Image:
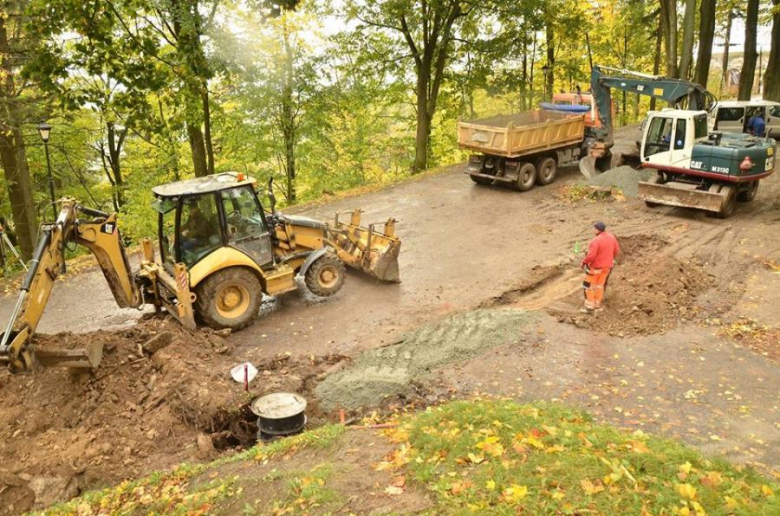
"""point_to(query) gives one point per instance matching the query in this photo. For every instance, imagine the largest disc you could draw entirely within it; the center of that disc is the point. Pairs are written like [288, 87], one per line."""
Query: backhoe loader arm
[99, 235]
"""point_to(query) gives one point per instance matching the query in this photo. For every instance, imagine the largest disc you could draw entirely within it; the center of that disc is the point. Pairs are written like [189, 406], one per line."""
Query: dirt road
[668, 356]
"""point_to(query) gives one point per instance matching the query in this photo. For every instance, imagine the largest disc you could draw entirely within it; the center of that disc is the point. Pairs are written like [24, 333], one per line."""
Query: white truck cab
[732, 116]
[669, 136]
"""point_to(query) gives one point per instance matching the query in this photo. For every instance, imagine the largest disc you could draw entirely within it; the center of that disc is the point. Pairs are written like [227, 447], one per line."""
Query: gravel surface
[624, 178]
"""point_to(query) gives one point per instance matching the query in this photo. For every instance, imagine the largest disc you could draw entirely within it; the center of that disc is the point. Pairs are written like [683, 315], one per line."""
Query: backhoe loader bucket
[88, 357]
[367, 249]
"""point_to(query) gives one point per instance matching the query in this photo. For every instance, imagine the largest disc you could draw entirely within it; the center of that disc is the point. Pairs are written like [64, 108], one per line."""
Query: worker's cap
[600, 226]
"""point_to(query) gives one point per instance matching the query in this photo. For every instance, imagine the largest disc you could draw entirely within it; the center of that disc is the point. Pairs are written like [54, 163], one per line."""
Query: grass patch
[159, 493]
[500, 457]
[174, 492]
[305, 493]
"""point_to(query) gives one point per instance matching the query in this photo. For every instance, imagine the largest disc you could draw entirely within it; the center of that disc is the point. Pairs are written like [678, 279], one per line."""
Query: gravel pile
[624, 178]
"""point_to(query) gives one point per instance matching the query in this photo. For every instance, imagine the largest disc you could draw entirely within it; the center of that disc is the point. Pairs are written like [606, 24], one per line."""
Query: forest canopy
[323, 96]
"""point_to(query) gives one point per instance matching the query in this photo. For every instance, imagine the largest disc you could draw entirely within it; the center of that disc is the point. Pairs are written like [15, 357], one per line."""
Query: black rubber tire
[481, 180]
[748, 194]
[546, 170]
[320, 286]
[728, 207]
[211, 289]
[526, 177]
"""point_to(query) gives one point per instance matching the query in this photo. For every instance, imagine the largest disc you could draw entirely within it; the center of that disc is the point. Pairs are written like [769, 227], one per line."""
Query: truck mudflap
[685, 195]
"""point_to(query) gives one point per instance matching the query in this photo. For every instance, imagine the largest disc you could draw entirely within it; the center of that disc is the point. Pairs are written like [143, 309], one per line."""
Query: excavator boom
[98, 233]
[603, 80]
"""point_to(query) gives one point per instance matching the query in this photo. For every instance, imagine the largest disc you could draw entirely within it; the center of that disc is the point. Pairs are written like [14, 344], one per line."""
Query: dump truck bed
[520, 134]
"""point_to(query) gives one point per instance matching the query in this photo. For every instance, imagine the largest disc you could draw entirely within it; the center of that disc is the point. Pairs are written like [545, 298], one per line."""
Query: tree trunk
[748, 73]
[12, 151]
[288, 118]
[207, 127]
[657, 57]
[772, 77]
[706, 36]
[550, 74]
[689, 24]
[198, 149]
[726, 46]
[423, 132]
[669, 14]
[114, 160]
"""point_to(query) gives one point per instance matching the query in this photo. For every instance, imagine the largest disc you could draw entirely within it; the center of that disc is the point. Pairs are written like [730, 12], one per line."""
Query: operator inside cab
[198, 231]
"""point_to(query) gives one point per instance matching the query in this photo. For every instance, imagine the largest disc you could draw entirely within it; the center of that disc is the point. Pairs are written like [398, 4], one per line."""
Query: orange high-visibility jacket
[602, 251]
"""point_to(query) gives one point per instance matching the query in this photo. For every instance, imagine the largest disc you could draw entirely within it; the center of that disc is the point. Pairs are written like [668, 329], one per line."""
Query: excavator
[220, 252]
[694, 168]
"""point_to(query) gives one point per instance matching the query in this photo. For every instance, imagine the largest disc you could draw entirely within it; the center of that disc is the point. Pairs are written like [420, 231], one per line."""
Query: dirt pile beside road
[648, 292]
[390, 370]
[62, 432]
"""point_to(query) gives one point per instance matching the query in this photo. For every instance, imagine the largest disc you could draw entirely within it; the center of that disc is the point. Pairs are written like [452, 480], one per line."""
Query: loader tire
[229, 298]
[546, 169]
[526, 177]
[325, 276]
[749, 193]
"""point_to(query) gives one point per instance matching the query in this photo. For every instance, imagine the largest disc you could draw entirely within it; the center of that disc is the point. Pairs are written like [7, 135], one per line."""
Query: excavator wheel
[749, 193]
[229, 298]
[526, 177]
[546, 169]
[325, 276]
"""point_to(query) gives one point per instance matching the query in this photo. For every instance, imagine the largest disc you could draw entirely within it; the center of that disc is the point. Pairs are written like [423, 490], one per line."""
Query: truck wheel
[526, 177]
[727, 208]
[546, 168]
[481, 180]
[749, 193]
[325, 276]
[229, 298]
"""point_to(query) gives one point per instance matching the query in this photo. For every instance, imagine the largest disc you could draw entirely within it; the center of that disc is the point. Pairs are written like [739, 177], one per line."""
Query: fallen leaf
[687, 491]
[490, 485]
[394, 490]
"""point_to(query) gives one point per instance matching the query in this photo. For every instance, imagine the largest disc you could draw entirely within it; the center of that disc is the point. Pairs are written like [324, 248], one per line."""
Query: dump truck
[523, 149]
[220, 251]
[694, 168]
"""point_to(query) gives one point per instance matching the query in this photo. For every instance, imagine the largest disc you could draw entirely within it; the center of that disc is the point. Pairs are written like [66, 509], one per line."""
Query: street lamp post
[44, 130]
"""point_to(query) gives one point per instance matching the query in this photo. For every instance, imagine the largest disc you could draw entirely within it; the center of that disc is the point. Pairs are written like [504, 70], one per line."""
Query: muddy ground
[488, 303]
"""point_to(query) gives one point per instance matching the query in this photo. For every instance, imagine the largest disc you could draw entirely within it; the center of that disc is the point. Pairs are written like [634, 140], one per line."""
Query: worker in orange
[598, 264]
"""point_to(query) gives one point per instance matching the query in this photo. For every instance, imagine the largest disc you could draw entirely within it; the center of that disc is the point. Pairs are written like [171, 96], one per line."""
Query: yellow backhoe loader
[219, 253]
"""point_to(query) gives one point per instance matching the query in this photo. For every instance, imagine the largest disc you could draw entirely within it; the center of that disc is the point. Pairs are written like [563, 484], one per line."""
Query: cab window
[659, 136]
[167, 221]
[700, 126]
[679, 134]
[730, 114]
[774, 111]
[199, 228]
[246, 227]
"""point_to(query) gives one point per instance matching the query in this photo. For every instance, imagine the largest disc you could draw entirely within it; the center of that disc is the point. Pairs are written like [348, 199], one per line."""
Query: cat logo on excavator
[220, 252]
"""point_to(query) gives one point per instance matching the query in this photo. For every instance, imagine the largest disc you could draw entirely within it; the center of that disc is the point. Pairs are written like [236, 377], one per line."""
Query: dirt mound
[62, 432]
[382, 372]
[648, 292]
[624, 178]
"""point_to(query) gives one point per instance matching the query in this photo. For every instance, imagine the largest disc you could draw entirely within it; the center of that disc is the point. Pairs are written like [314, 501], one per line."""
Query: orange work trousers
[594, 285]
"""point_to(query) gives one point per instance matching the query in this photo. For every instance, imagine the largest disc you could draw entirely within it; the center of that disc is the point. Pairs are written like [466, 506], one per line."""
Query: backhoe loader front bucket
[367, 249]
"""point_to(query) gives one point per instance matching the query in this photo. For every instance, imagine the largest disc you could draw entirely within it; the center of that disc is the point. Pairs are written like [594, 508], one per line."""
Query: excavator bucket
[595, 163]
[368, 249]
